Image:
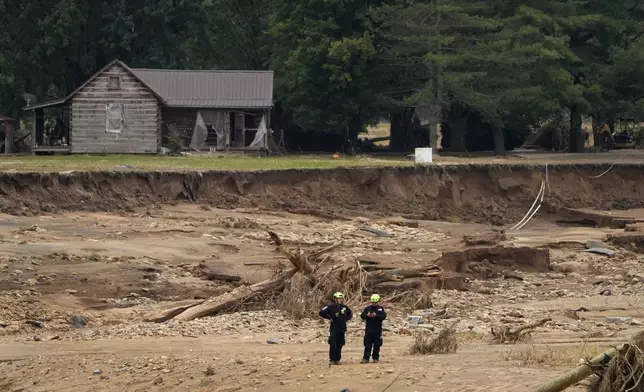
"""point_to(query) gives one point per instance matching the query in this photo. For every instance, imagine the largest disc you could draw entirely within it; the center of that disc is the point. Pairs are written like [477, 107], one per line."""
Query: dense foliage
[342, 64]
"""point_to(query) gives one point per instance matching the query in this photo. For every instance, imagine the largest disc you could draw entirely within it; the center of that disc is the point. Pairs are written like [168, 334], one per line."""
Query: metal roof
[195, 89]
[210, 89]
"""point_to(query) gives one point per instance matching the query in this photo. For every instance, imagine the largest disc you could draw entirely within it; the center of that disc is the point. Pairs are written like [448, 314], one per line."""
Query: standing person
[374, 315]
[339, 314]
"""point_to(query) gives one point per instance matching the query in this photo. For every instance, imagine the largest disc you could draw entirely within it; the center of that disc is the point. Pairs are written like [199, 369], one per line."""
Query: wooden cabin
[136, 111]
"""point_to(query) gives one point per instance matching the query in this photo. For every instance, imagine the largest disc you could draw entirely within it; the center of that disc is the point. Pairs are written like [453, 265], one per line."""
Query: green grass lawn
[62, 163]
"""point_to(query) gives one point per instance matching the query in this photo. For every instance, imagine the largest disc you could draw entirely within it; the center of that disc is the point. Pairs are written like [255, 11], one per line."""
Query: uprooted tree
[352, 279]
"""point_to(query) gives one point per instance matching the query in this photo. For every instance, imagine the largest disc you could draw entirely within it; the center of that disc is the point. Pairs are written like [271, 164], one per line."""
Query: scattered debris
[600, 251]
[36, 323]
[505, 335]
[618, 320]
[379, 233]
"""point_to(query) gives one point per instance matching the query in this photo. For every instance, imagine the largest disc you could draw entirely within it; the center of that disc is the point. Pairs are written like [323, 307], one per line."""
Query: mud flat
[85, 258]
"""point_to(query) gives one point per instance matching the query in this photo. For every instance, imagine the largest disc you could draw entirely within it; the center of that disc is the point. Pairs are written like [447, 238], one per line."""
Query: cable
[526, 222]
[607, 170]
[542, 188]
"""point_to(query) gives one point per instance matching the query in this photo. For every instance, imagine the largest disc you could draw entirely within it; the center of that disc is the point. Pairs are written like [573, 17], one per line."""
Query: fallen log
[581, 371]
[244, 293]
[173, 312]
[235, 297]
[400, 274]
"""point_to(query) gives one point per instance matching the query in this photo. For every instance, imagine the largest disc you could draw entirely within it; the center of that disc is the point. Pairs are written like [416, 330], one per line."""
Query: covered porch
[50, 127]
[221, 130]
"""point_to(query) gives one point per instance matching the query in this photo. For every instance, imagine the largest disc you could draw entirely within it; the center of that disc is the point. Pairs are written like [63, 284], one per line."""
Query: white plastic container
[423, 156]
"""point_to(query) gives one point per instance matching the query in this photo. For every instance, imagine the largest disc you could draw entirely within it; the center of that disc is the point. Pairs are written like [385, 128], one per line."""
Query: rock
[273, 341]
[97, 372]
[429, 327]
[574, 275]
[206, 382]
[415, 320]
[595, 244]
[606, 293]
[390, 370]
[618, 320]
[36, 323]
[70, 291]
[16, 273]
[158, 380]
[78, 321]
[31, 282]
[386, 326]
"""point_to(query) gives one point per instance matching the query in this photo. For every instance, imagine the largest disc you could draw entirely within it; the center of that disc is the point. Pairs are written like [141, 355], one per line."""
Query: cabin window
[114, 83]
[114, 118]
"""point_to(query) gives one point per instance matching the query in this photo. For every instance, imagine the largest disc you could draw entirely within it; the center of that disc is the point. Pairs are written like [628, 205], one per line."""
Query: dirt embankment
[483, 193]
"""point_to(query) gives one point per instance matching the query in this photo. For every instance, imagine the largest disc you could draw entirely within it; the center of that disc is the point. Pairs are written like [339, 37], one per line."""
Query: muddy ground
[85, 258]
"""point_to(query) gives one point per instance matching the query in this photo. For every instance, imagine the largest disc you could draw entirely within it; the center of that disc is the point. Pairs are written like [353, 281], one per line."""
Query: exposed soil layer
[632, 241]
[481, 193]
[575, 217]
[520, 258]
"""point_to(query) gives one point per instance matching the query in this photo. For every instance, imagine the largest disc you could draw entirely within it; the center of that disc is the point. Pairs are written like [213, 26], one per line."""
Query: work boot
[336, 362]
[364, 361]
[375, 361]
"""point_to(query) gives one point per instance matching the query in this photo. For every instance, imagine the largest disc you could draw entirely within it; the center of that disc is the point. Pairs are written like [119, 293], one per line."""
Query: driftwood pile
[353, 280]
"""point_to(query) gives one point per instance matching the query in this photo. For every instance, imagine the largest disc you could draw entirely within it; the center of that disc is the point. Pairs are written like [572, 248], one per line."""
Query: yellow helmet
[375, 298]
[338, 295]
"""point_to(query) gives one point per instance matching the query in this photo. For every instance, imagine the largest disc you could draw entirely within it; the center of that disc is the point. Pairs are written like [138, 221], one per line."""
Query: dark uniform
[339, 314]
[373, 331]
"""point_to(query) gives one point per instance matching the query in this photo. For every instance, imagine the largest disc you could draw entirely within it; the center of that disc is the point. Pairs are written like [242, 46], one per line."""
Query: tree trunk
[401, 122]
[235, 297]
[434, 122]
[576, 134]
[458, 126]
[499, 141]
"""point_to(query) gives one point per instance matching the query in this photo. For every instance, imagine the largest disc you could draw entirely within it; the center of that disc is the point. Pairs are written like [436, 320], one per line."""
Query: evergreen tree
[323, 61]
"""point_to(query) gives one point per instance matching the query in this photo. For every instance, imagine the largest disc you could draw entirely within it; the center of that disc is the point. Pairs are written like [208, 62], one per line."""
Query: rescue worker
[374, 315]
[339, 314]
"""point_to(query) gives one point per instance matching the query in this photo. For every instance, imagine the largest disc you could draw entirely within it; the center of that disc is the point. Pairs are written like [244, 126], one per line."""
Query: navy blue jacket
[338, 314]
[374, 324]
